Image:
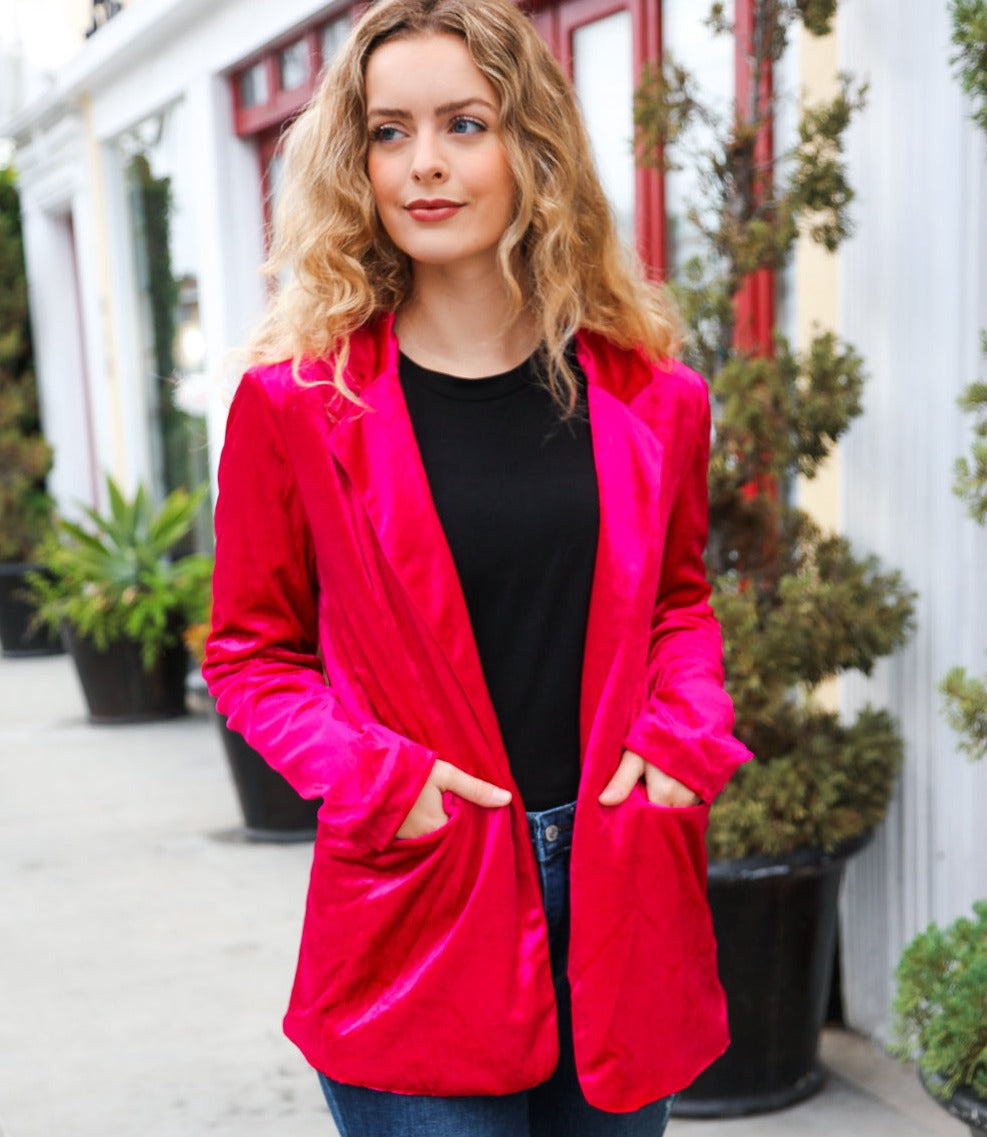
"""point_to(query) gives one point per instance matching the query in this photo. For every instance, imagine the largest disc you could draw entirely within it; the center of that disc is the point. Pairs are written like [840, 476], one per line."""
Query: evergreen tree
[25, 457]
[797, 605]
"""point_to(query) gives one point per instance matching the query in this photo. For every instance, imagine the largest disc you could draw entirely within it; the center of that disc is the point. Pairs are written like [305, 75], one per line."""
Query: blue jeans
[555, 1108]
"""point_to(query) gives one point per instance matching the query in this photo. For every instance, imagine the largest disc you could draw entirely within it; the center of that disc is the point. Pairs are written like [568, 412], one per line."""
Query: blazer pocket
[643, 917]
[670, 861]
[400, 852]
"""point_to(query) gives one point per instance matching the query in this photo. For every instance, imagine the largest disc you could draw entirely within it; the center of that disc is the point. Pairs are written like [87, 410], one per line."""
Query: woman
[459, 595]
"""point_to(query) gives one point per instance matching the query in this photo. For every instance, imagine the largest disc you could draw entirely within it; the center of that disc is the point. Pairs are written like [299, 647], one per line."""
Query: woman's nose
[429, 164]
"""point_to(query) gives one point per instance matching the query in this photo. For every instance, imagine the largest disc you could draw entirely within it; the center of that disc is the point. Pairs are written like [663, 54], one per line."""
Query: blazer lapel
[379, 453]
[628, 460]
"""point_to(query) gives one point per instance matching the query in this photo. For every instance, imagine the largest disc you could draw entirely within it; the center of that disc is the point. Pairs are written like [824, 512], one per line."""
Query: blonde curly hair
[560, 256]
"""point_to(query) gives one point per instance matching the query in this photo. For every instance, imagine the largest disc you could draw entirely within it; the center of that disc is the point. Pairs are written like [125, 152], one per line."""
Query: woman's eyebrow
[388, 112]
[462, 104]
[444, 109]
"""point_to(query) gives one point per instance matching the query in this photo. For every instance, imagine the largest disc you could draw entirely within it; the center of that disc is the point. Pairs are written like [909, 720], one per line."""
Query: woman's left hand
[662, 788]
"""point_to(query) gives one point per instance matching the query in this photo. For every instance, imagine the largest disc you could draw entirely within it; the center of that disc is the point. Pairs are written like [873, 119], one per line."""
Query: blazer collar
[376, 447]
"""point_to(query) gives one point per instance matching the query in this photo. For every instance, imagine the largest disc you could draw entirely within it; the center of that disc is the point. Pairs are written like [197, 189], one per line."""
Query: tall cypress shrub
[798, 605]
[25, 457]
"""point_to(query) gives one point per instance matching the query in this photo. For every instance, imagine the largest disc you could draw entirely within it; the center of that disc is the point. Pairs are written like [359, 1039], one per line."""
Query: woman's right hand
[427, 814]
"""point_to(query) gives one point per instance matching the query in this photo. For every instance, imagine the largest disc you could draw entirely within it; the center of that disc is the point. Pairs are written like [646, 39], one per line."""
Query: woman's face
[436, 160]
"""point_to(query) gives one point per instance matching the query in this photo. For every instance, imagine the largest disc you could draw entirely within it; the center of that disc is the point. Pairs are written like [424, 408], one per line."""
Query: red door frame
[268, 142]
[754, 308]
[556, 22]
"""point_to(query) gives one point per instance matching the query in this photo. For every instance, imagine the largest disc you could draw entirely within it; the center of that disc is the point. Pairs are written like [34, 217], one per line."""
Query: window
[268, 92]
[581, 34]
[604, 45]
[603, 75]
[332, 37]
[711, 59]
[252, 86]
[293, 66]
[169, 350]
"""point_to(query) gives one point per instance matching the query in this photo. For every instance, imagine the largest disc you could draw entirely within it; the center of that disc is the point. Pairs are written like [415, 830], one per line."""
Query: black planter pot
[272, 810]
[116, 686]
[775, 920]
[964, 1105]
[17, 638]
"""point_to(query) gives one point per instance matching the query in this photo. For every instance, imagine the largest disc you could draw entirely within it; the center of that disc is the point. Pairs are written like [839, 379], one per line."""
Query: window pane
[274, 180]
[603, 73]
[293, 65]
[332, 38]
[709, 59]
[253, 86]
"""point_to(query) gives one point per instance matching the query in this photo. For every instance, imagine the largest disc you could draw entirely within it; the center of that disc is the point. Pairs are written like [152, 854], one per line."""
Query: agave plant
[116, 578]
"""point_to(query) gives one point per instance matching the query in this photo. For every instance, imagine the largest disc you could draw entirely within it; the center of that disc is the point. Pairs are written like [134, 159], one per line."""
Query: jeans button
[551, 833]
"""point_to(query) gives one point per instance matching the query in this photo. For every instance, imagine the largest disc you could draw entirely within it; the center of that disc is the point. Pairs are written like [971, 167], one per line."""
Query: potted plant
[940, 1014]
[798, 606]
[25, 457]
[272, 809]
[121, 603]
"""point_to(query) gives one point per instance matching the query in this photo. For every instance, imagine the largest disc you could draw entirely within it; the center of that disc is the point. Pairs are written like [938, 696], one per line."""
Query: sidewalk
[146, 951]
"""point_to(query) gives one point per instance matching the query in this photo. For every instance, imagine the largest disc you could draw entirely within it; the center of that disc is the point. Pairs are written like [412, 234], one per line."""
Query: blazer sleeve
[685, 726]
[262, 656]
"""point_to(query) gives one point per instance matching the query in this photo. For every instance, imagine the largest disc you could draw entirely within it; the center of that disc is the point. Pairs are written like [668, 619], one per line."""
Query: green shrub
[940, 1006]
[115, 580]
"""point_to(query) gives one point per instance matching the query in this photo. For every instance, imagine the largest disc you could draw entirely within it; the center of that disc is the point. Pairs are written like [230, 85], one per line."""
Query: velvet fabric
[341, 648]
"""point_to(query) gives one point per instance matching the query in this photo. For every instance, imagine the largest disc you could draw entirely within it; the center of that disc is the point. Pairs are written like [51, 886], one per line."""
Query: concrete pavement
[146, 950]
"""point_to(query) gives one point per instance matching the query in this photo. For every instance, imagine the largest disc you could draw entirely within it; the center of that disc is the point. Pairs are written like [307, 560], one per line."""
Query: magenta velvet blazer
[341, 648]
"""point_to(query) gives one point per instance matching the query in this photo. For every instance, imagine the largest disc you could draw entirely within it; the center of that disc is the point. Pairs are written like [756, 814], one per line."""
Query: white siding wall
[913, 295]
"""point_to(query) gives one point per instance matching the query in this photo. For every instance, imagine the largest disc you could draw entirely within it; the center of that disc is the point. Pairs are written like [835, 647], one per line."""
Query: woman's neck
[464, 328]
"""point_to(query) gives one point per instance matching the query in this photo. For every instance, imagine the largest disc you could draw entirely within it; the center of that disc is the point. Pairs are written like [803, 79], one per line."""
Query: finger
[419, 824]
[469, 788]
[627, 776]
[663, 789]
[427, 814]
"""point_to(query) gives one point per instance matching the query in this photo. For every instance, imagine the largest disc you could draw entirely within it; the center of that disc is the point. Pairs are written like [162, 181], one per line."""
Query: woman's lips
[437, 209]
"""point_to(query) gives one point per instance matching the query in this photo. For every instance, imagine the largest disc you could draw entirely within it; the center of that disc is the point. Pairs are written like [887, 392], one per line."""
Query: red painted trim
[649, 211]
[282, 105]
[546, 22]
[575, 14]
[754, 307]
[557, 24]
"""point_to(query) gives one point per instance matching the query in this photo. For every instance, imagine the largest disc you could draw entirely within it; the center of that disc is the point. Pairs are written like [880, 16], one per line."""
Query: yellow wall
[816, 295]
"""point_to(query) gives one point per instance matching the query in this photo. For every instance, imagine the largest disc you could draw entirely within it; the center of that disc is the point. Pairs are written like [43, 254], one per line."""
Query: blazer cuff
[700, 758]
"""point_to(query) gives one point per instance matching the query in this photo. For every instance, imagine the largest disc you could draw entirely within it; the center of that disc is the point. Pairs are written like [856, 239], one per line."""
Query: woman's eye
[462, 125]
[384, 133]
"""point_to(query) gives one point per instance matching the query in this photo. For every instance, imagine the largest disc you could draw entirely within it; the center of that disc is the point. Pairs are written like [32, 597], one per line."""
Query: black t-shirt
[514, 486]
